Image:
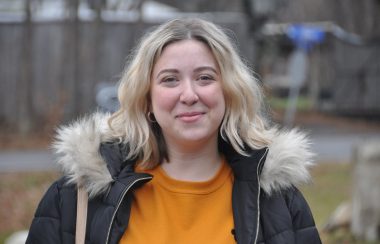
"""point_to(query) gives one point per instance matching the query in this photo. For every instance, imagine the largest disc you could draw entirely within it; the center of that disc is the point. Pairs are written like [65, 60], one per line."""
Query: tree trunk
[25, 101]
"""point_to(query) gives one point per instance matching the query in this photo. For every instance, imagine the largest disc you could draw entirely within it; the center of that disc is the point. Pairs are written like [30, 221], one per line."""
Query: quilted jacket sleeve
[303, 222]
[46, 225]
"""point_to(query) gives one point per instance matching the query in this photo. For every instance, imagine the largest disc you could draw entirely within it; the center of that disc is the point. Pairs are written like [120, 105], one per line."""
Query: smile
[190, 117]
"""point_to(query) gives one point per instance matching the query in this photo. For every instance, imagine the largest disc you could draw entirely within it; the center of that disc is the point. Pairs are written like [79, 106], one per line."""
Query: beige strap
[80, 234]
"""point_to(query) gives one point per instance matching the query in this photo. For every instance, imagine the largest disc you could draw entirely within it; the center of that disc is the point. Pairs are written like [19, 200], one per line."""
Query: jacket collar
[246, 191]
[77, 149]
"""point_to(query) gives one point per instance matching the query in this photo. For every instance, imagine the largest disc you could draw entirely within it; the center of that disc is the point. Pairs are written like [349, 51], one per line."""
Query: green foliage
[278, 103]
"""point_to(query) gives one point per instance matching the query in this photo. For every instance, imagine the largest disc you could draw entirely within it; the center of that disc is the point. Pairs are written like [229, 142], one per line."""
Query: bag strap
[80, 233]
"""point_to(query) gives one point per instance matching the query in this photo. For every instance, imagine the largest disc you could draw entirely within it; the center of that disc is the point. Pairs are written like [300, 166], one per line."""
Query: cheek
[162, 100]
[214, 98]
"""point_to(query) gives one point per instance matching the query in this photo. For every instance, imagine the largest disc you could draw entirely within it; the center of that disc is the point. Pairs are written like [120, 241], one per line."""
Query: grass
[278, 103]
[19, 196]
[21, 192]
[332, 185]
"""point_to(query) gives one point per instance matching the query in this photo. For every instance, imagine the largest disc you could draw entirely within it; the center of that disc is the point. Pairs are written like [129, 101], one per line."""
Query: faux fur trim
[288, 161]
[77, 147]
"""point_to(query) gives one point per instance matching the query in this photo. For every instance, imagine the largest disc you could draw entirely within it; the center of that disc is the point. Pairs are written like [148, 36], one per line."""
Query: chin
[195, 137]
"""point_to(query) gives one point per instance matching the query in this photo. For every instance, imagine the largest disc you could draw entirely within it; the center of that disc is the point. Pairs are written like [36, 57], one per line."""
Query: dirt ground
[9, 141]
[342, 123]
[19, 195]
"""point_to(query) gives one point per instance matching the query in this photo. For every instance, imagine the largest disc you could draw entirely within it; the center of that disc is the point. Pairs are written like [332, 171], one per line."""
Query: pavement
[339, 148]
[331, 144]
[27, 160]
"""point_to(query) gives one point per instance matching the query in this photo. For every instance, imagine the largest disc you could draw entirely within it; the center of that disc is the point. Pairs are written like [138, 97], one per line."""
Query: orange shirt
[166, 210]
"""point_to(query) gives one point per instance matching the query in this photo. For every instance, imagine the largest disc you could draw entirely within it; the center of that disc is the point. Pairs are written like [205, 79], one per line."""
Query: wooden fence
[49, 70]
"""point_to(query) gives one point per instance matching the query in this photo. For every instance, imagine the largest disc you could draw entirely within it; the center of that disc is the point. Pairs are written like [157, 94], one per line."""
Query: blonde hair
[243, 123]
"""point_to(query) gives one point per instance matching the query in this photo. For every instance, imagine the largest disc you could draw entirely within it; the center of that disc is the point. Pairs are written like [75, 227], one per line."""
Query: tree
[24, 96]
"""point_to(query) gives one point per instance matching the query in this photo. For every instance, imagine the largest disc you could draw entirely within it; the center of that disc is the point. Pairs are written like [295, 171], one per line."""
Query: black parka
[265, 210]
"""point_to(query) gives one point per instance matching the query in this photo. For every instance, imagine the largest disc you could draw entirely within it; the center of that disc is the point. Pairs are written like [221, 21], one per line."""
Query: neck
[195, 162]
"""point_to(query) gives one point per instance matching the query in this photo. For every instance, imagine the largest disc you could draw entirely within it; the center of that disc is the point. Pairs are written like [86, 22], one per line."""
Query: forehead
[185, 53]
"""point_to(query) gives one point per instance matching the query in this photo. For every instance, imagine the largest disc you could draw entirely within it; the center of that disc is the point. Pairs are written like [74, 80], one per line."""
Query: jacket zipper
[121, 199]
[258, 195]
[149, 178]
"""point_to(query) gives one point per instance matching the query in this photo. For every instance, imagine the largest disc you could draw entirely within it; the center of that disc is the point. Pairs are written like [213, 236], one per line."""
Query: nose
[189, 95]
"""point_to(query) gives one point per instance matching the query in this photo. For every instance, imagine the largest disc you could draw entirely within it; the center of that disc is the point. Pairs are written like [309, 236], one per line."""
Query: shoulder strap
[80, 234]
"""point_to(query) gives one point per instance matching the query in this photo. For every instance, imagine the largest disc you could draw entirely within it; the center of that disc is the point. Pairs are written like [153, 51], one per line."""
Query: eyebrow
[202, 68]
[199, 69]
[167, 71]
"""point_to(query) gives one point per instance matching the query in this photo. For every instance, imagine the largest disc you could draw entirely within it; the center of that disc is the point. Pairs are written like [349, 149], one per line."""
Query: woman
[188, 158]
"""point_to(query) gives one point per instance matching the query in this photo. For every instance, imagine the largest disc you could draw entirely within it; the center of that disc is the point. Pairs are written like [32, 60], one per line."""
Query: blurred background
[318, 61]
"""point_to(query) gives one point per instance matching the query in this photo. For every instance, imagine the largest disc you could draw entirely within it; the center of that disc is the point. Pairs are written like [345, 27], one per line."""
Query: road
[27, 160]
[339, 148]
[329, 146]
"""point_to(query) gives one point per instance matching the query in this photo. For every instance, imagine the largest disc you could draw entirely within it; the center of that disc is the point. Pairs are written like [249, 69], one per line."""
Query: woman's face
[186, 93]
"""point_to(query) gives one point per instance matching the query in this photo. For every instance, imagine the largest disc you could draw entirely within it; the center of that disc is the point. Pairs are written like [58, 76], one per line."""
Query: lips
[190, 116]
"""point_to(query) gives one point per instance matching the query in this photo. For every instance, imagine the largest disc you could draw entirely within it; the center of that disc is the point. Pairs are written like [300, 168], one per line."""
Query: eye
[205, 79]
[169, 81]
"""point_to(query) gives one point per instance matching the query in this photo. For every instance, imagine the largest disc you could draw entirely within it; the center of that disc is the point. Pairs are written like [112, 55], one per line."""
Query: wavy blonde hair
[243, 123]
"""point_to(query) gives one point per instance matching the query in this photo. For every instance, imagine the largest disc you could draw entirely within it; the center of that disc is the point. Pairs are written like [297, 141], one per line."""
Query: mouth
[190, 116]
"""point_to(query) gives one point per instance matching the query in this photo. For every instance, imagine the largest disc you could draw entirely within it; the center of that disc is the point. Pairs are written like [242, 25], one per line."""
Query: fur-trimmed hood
[77, 148]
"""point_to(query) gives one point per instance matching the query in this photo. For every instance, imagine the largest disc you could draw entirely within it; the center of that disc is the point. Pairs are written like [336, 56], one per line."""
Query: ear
[149, 103]
[150, 108]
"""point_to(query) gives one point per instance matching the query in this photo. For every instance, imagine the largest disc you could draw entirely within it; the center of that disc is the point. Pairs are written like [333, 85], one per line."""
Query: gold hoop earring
[151, 117]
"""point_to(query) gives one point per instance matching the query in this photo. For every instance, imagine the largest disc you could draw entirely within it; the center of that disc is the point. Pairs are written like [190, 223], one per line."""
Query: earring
[151, 117]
